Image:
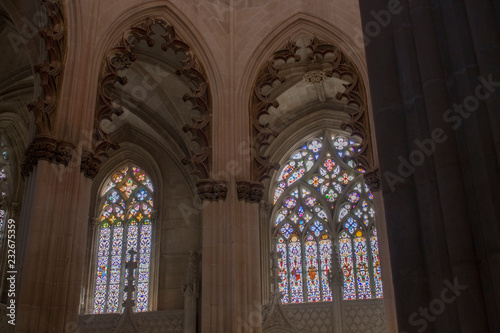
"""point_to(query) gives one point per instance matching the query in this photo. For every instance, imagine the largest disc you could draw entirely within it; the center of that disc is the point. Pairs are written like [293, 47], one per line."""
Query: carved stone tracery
[190, 286]
[319, 60]
[89, 164]
[44, 108]
[50, 71]
[372, 180]
[122, 56]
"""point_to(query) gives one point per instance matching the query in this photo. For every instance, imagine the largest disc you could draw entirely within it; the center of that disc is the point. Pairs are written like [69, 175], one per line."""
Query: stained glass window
[124, 224]
[321, 203]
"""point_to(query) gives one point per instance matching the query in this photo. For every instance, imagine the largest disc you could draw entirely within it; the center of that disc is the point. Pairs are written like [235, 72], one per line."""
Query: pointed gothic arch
[165, 58]
[310, 89]
[322, 206]
[124, 223]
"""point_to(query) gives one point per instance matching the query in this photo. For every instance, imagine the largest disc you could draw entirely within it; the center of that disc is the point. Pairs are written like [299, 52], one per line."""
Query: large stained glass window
[322, 204]
[124, 224]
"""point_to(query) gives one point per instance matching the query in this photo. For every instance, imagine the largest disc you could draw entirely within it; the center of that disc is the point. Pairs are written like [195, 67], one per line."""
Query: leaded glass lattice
[320, 203]
[124, 224]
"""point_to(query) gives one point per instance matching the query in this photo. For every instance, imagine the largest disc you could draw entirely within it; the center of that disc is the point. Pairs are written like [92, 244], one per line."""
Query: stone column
[53, 238]
[373, 181]
[191, 293]
[231, 285]
[428, 172]
[265, 209]
[336, 280]
[56, 196]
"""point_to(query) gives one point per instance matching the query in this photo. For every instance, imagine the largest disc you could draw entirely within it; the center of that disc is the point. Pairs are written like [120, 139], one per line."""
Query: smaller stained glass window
[125, 224]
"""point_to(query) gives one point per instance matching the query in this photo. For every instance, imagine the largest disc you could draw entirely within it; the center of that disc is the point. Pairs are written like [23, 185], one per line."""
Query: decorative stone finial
[372, 180]
[315, 76]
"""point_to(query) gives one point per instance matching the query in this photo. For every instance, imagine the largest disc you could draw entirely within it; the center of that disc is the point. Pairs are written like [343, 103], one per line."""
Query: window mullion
[320, 270]
[370, 266]
[288, 272]
[354, 268]
[305, 291]
[108, 269]
[122, 267]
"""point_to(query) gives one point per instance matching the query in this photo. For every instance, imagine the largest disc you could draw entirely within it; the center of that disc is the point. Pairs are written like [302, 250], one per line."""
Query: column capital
[265, 207]
[372, 180]
[89, 164]
[14, 209]
[49, 149]
[250, 191]
[212, 190]
[93, 222]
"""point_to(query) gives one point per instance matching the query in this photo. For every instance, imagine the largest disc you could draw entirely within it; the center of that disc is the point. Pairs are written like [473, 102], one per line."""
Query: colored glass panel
[362, 270]
[290, 202]
[325, 253]
[295, 263]
[377, 275]
[117, 235]
[144, 264]
[315, 145]
[353, 197]
[351, 225]
[287, 230]
[312, 271]
[340, 142]
[306, 218]
[283, 269]
[100, 298]
[317, 228]
[345, 248]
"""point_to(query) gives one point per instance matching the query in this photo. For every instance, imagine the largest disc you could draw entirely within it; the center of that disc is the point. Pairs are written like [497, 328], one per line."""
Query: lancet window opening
[324, 218]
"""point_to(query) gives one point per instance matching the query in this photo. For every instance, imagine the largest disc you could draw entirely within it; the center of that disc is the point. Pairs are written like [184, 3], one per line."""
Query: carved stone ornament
[49, 149]
[128, 322]
[94, 223]
[319, 60]
[50, 70]
[372, 180]
[250, 191]
[212, 190]
[275, 317]
[89, 164]
[315, 76]
[149, 321]
[190, 286]
[122, 56]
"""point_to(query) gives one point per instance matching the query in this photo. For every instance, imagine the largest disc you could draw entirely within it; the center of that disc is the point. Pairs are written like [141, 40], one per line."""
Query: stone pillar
[191, 293]
[432, 158]
[231, 286]
[54, 216]
[373, 181]
[53, 237]
[265, 209]
[336, 280]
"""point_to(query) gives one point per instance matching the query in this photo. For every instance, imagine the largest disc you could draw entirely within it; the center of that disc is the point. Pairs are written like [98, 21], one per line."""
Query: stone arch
[201, 79]
[317, 61]
[353, 117]
[301, 23]
[172, 189]
[134, 154]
